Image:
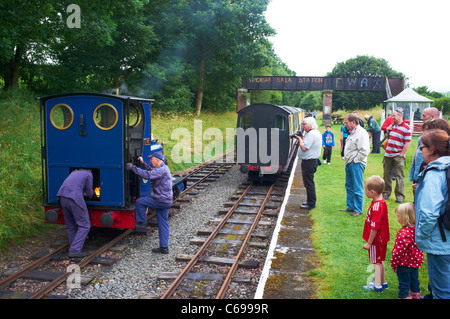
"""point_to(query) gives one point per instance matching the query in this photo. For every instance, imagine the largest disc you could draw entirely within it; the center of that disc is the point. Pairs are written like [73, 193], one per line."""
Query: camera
[298, 133]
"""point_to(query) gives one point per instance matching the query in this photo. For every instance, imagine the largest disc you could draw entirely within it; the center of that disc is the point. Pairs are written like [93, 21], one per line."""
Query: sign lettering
[311, 83]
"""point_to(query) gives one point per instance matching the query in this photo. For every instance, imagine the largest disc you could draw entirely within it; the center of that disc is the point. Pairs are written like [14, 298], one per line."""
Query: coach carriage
[263, 144]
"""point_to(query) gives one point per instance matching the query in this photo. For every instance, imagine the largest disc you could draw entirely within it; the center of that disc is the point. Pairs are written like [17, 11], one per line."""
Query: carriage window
[61, 116]
[245, 121]
[105, 116]
[280, 122]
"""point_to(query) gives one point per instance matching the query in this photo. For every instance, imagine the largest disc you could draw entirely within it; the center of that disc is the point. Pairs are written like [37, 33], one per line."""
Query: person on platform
[357, 148]
[427, 115]
[76, 215]
[430, 202]
[376, 232]
[309, 152]
[406, 257]
[375, 130]
[344, 135]
[160, 199]
[394, 157]
[328, 144]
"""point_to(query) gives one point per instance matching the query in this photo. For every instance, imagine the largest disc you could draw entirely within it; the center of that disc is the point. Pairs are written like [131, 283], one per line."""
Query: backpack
[444, 219]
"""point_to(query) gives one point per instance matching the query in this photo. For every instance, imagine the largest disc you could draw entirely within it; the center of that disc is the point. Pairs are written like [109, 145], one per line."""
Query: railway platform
[291, 255]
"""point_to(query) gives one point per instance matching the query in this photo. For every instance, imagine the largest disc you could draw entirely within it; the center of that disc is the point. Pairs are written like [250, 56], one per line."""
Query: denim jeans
[162, 215]
[439, 275]
[408, 279]
[354, 184]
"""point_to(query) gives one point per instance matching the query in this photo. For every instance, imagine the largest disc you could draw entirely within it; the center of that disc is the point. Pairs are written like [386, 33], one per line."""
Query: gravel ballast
[135, 273]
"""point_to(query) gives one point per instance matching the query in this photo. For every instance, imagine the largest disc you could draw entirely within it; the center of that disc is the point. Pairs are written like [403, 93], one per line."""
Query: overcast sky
[413, 36]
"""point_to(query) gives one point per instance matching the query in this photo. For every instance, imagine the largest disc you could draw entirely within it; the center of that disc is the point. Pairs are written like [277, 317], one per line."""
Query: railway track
[62, 274]
[197, 180]
[210, 271]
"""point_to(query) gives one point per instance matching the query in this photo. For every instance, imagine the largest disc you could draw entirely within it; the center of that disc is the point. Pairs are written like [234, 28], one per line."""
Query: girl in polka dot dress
[406, 257]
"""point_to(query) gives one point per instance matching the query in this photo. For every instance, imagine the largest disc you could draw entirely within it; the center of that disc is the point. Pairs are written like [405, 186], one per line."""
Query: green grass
[163, 128]
[337, 236]
[21, 213]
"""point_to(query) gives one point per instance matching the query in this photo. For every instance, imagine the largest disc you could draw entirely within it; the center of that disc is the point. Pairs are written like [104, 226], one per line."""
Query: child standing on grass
[328, 144]
[406, 257]
[376, 231]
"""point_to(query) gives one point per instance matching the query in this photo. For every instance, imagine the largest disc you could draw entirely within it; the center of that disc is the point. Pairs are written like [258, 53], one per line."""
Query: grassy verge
[337, 236]
[21, 213]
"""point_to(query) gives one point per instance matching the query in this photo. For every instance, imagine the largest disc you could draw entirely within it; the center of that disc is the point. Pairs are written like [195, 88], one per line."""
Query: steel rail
[8, 280]
[201, 180]
[233, 268]
[169, 292]
[55, 283]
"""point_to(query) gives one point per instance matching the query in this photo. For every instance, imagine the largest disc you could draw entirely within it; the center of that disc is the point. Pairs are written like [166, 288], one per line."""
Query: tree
[24, 32]
[112, 43]
[361, 66]
[223, 38]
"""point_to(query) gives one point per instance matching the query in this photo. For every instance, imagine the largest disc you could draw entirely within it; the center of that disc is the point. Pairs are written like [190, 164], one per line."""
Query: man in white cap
[161, 197]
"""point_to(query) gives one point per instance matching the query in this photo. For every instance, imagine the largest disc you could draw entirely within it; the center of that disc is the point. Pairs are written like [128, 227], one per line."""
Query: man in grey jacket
[357, 148]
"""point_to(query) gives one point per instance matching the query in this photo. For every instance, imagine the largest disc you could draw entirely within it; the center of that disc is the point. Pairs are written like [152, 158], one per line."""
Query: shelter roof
[409, 95]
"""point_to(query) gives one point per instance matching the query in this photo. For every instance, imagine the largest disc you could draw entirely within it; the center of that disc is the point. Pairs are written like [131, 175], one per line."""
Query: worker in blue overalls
[161, 197]
[76, 216]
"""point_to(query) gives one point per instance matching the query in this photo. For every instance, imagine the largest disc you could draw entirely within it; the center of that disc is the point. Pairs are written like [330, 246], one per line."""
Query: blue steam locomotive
[100, 132]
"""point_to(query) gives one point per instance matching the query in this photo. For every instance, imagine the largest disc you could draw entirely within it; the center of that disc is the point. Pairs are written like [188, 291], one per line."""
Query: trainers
[385, 285]
[371, 286]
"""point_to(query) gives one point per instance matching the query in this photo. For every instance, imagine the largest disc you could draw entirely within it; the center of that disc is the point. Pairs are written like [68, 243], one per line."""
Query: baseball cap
[158, 155]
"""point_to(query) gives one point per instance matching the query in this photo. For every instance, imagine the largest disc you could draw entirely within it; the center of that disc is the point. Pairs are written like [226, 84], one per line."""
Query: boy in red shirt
[376, 231]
